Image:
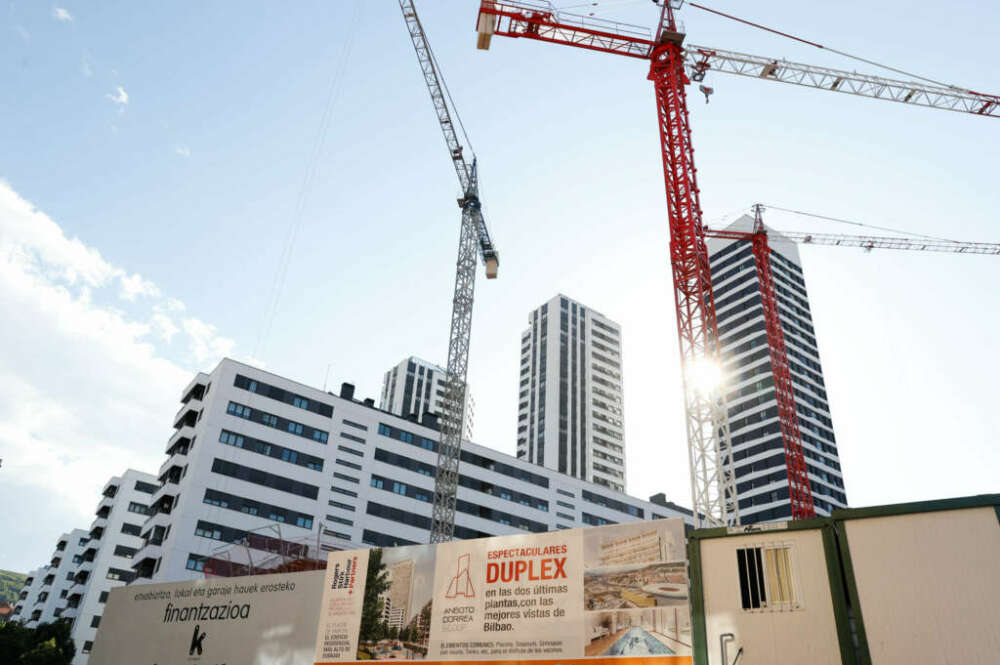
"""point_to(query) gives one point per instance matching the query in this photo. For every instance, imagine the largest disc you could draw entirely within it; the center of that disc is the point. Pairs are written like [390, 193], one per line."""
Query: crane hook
[706, 91]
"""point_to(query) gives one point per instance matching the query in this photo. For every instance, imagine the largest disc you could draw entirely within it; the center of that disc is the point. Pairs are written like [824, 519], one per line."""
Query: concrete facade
[415, 387]
[570, 400]
[255, 454]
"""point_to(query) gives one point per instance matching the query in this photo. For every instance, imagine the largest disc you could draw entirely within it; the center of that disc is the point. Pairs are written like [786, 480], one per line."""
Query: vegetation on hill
[10, 585]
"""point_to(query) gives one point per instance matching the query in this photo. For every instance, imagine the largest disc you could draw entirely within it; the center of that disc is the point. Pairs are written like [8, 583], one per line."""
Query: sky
[185, 181]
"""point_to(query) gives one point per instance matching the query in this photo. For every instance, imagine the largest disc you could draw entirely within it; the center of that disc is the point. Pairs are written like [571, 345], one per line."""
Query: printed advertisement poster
[589, 594]
[254, 619]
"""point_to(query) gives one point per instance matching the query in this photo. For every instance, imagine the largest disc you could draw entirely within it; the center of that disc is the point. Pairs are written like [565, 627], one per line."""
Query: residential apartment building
[107, 556]
[570, 400]
[43, 598]
[259, 464]
[86, 565]
[758, 452]
[415, 386]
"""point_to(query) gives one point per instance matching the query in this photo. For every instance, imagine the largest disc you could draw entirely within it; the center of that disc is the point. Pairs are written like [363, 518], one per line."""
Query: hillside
[10, 585]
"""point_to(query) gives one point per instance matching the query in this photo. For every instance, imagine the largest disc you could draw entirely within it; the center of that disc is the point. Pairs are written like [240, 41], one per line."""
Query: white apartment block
[415, 386]
[107, 556]
[570, 400]
[758, 451]
[86, 565]
[258, 461]
[44, 595]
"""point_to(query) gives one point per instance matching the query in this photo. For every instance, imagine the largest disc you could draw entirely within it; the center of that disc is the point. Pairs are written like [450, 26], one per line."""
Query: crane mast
[713, 481]
[474, 238]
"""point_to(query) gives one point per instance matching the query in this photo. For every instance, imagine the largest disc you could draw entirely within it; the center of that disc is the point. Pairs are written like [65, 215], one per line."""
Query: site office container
[889, 585]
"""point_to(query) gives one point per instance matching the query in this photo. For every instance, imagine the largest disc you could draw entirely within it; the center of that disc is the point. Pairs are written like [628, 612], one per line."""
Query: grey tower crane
[474, 238]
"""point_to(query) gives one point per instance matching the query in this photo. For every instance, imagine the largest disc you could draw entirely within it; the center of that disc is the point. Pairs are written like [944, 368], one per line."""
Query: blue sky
[153, 157]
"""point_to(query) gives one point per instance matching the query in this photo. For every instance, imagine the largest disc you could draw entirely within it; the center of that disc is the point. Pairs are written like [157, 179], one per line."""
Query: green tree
[48, 644]
[376, 583]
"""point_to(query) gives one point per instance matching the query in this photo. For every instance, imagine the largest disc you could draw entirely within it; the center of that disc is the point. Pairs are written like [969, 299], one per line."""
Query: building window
[195, 562]
[767, 581]
[342, 506]
[103, 598]
[131, 529]
[146, 488]
[87, 646]
[134, 507]
[95, 621]
[118, 574]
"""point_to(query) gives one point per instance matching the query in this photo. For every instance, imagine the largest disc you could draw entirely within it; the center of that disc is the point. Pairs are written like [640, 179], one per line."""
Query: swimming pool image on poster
[661, 631]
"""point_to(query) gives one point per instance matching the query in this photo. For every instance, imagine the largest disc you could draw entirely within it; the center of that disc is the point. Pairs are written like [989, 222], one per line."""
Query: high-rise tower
[415, 386]
[758, 453]
[569, 415]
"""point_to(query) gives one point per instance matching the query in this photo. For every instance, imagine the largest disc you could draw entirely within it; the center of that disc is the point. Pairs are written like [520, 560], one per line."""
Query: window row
[271, 450]
[282, 395]
[252, 507]
[277, 422]
[258, 477]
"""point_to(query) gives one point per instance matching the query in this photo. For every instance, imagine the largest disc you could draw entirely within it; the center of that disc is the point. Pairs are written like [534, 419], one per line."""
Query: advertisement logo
[461, 584]
[196, 641]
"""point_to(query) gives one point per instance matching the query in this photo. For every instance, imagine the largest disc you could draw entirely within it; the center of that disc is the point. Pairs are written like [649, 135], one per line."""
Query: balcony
[98, 524]
[162, 505]
[48, 579]
[196, 389]
[106, 503]
[145, 566]
[110, 491]
[172, 474]
[187, 414]
[55, 561]
[97, 531]
[180, 442]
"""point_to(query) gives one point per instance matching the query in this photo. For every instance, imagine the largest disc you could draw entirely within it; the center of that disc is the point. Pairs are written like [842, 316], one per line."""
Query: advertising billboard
[255, 620]
[590, 594]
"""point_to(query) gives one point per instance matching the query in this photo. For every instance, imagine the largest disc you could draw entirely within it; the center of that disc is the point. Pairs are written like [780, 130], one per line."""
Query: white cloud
[120, 97]
[205, 341]
[86, 389]
[183, 151]
[164, 326]
[60, 14]
[137, 286]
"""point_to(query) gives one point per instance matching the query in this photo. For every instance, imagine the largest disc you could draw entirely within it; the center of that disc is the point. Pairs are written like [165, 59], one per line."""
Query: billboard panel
[597, 593]
[256, 620]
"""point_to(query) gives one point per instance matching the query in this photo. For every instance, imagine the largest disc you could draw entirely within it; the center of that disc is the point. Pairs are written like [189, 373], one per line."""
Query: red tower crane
[713, 484]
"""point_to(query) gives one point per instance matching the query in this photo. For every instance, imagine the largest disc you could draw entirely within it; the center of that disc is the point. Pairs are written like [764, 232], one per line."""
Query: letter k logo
[196, 641]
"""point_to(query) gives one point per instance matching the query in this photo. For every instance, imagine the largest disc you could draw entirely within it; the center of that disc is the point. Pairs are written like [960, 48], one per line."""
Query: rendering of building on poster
[597, 593]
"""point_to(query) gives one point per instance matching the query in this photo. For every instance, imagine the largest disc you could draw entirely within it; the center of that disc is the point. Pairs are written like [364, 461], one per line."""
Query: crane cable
[451, 102]
[295, 223]
[843, 53]
[867, 226]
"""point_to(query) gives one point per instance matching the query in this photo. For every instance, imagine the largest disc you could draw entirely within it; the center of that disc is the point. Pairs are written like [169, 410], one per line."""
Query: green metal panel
[838, 594]
[699, 639]
[863, 655]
